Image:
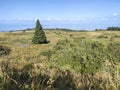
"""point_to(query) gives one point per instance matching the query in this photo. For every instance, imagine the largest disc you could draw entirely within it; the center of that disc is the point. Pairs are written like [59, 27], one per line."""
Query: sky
[76, 14]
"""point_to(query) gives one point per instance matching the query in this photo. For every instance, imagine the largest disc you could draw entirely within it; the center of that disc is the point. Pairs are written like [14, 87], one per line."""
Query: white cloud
[54, 19]
[48, 19]
[115, 14]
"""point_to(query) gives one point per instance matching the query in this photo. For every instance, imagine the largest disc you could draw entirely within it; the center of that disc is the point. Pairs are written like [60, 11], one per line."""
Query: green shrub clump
[81, 55]
[4, 50]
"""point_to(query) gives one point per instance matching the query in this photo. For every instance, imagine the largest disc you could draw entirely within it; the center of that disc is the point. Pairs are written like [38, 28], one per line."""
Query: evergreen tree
[39, 34]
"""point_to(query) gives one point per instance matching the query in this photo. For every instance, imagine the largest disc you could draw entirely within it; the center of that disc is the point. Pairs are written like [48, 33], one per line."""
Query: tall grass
[88, 57]
[74, 63]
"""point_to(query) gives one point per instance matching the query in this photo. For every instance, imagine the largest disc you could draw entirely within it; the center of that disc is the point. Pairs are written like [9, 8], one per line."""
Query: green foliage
[67, 57]
[39, 34]
[77, 63]
[81, 55]
[113, 51]
[102, 36]
[86, 57]
[99, 30]
[113, 28]
[47, 53]
[112, 38]
[24, 31]
[117, 36]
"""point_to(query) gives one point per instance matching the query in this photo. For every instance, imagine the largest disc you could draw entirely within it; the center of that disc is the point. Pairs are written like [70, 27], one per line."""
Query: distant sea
[22, 26]
[12, 26]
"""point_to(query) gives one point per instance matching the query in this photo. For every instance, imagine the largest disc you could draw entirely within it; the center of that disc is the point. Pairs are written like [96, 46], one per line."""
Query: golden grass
[15, 40]
[24, 51]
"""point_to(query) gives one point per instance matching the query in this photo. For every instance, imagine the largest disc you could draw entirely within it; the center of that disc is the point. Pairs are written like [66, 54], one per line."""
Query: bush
[113, 28]
[64, 81]
[86, 58]
[4, 50]
[102, 36]
[117, 36]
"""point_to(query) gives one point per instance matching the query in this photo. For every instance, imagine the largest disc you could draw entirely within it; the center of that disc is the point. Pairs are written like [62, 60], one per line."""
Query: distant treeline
[65, 29]
[113, 28]
[109, 29]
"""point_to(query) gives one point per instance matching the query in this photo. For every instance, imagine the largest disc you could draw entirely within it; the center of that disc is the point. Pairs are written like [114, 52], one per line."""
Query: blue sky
[82, 14]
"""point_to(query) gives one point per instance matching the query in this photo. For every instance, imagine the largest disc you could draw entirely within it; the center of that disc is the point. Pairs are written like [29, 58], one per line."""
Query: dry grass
[22, 47]
[25, 52]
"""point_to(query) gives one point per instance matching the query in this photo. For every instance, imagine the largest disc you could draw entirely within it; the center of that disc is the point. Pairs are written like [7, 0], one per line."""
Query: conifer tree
[39, 34]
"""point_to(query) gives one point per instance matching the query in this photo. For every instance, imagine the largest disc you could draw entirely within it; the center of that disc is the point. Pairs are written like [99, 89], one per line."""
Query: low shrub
[102, 36]
[4, 50]
[117, 36]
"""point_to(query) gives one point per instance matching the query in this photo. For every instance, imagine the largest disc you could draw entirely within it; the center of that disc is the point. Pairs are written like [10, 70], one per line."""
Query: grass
[72, 60]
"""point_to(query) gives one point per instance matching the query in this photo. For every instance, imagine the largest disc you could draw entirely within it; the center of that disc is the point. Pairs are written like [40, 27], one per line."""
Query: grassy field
[73, 60]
